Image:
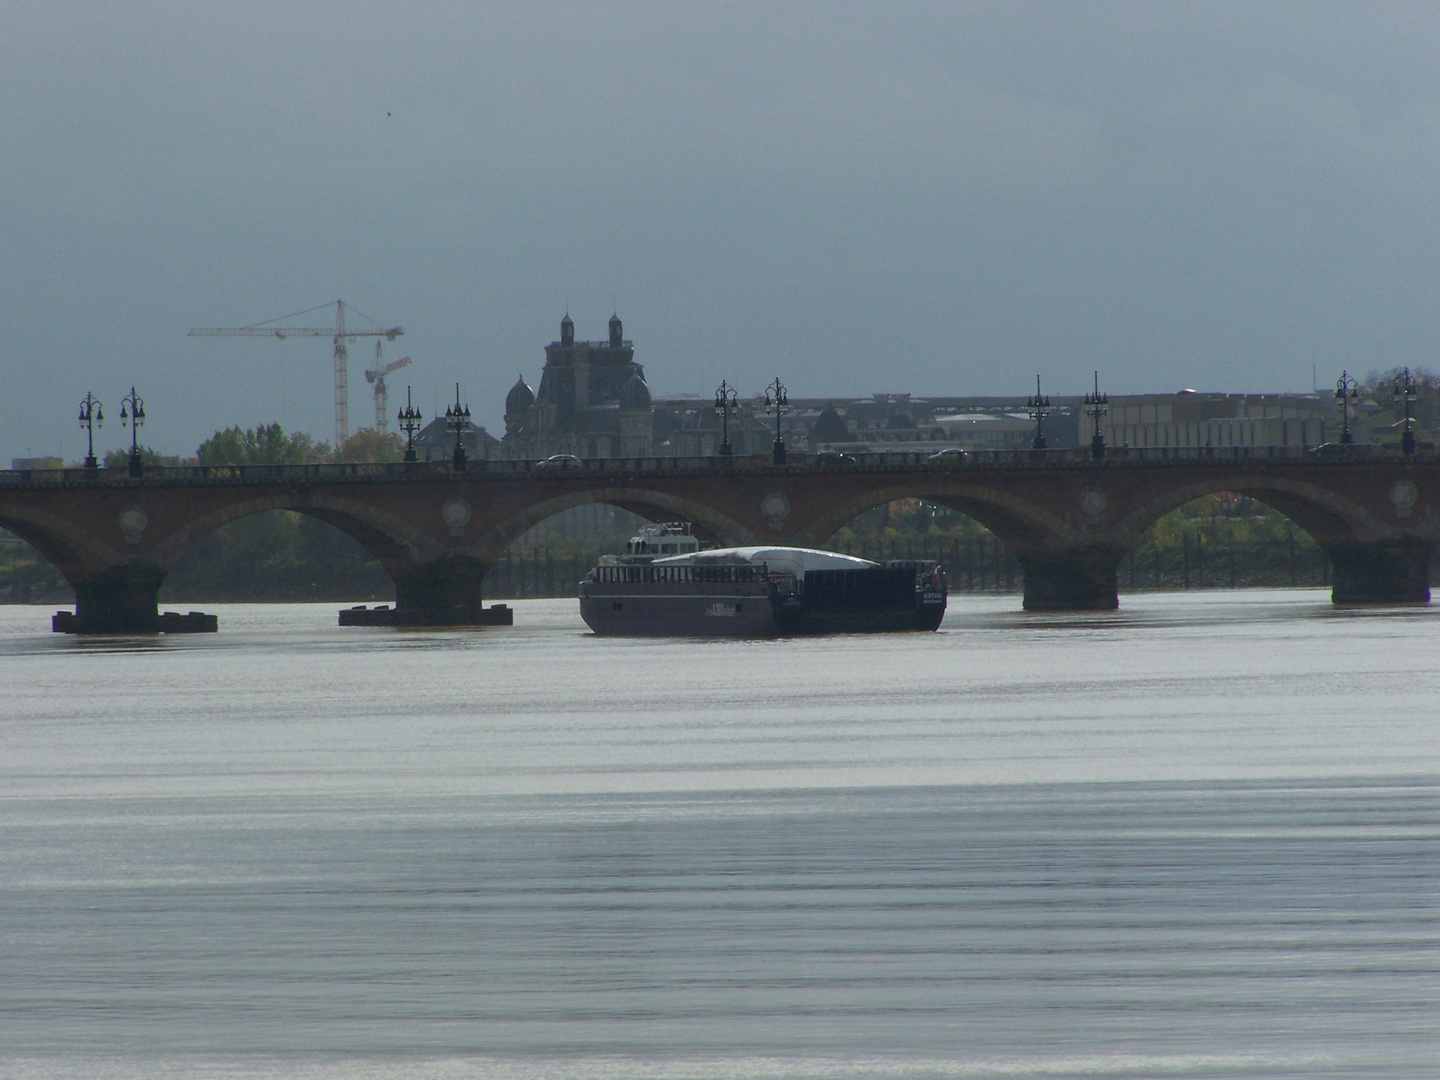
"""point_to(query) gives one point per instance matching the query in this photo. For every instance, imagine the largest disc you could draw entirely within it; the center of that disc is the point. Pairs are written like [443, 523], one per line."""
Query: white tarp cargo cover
[785, 560]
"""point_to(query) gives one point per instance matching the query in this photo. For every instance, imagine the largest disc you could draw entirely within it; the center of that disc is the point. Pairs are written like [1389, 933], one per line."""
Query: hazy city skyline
[939, 199]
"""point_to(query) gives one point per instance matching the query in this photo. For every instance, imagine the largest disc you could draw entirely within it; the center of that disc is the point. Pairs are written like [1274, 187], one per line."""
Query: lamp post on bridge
[1405, 390]
[91, 417]
[132, 410]
[725, 404]
[777, 398]
[1039, 407]
[409, 418]
[1096, 405]
[1346, 391]
[458, 419]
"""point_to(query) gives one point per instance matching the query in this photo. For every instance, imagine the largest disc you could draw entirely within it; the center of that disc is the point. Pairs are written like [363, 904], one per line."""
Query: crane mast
[377, 375]
[342, 378]
[339, 332]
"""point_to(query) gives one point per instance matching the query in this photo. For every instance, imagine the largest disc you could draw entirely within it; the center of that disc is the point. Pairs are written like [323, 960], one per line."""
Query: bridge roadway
[1068, 520]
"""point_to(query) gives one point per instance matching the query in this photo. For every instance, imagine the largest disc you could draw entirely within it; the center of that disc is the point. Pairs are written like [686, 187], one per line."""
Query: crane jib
[292, 331]
[339, 333]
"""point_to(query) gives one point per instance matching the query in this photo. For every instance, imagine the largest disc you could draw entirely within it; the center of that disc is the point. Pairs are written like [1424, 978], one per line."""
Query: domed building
[593, 401]
[635, 395]
[519, 405]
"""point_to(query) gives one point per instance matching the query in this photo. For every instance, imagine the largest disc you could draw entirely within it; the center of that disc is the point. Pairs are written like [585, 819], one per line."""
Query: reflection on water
[1196, 837]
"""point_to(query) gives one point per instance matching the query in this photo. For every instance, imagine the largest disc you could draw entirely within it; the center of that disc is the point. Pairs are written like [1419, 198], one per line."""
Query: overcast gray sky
[931, 198]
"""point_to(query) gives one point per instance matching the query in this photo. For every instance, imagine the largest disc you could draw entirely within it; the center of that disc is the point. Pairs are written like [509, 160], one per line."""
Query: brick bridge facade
[1066, 519]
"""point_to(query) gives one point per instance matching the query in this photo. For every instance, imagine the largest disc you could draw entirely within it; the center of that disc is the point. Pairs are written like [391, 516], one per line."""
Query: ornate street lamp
[1039, 407]
[1406, 391]
[725, 404]
[132, 411]
[458, 419]
[1096, 405]
[91, 417]
[409, 418]
[777, 399]
[1346, 391]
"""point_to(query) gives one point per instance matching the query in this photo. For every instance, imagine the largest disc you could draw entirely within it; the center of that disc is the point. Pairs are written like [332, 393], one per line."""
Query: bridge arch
[1370, 559]
[1026, 529]
[276, 555]
[1063, 568]
[975, 559]
[393, 541]
[1225, 540]
[1330, 519]
[1021, 524]
[654, 505]
[72, 550]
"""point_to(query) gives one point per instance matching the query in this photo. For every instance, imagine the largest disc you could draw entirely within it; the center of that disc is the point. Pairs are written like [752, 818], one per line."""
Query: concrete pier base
[385, 615]
[445, 592]
[1390, 572]
[124, 600]
[1080, 580]
[118, 600]
[167, 622]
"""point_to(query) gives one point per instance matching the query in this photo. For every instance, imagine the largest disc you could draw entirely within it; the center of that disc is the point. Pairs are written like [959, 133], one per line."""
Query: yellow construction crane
[377, 375]
[339, 332]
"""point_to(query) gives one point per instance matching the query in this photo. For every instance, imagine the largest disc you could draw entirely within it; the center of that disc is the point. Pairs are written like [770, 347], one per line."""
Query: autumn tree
[367, 444]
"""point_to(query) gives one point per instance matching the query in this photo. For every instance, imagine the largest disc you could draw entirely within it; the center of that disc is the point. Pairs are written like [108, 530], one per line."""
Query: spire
[617, 332]
[567, 330]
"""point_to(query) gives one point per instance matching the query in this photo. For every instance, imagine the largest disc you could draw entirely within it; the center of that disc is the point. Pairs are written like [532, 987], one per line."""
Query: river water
[1199, 837]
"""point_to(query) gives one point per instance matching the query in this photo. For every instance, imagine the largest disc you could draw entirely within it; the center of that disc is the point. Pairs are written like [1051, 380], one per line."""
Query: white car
[559, 461]
[951, 455]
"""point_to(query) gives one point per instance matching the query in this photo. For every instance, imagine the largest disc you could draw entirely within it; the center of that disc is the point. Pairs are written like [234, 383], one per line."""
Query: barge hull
[659, 610]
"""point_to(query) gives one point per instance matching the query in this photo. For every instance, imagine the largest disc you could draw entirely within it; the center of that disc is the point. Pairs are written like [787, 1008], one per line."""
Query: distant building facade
[37, 463]
[1190, 419]
[593, 401]
[436, 442]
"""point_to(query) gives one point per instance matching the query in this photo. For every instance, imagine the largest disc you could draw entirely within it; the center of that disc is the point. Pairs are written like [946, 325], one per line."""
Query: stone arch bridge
[1068, 520]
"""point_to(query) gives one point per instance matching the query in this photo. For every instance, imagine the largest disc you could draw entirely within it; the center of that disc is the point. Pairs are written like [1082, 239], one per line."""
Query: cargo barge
[755, 591]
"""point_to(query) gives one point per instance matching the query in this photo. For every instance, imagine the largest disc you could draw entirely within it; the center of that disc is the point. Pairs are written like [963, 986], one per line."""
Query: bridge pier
[445, 592]
[124, 599]
[120, 599]
[1082, 579]
[1388, 572]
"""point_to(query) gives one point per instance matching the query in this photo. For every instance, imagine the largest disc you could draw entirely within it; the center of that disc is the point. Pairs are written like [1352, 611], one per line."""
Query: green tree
[264, 445]
[367, 444]
[119, 458]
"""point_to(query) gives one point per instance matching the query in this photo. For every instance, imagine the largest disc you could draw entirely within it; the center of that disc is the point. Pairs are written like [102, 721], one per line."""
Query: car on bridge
[833, 457]
[559, 461]
[951, 455]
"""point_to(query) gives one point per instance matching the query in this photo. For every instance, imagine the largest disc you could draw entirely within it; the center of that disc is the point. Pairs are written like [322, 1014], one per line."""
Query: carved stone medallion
[456, 514]
[1092, 504]
[1403, 494]
[133, 520]
[775, 506]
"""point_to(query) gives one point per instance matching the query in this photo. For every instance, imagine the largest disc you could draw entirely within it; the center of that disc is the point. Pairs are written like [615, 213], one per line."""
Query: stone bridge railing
[799, 465]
